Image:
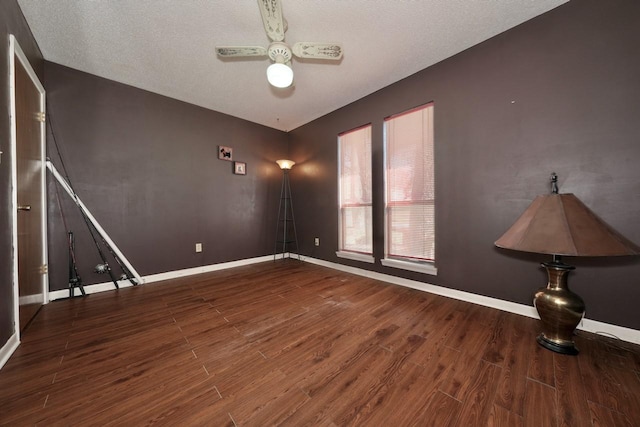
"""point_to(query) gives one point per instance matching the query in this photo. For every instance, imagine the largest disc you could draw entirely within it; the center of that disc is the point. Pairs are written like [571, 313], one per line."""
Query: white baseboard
[588, 325]
[109, 286]
[625, 334]
[31, 299]
[8, 348]
[209, 268]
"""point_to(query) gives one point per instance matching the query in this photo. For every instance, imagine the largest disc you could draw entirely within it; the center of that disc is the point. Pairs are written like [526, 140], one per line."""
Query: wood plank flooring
[291, 343]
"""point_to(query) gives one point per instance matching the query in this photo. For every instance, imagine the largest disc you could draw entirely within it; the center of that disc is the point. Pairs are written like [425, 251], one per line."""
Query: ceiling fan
[280, 74]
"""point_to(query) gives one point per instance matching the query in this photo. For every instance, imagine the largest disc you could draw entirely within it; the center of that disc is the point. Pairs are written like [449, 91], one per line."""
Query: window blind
[355, 219]
[409, 179]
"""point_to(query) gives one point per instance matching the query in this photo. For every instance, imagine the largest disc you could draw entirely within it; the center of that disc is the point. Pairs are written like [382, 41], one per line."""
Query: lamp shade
[560, 224]
[280, 75]
[285, 164]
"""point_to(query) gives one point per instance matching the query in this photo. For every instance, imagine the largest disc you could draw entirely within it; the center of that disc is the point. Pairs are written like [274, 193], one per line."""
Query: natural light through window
[354, 174]
[409, 188]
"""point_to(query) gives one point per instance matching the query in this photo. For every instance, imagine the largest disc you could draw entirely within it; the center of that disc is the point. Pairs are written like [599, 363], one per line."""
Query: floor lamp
[286, 236]
[561, 225]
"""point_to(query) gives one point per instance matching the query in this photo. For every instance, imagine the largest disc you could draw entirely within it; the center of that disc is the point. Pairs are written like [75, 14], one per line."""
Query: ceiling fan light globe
[279, 75]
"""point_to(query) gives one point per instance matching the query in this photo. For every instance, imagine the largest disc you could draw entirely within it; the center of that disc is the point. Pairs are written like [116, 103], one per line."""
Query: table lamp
[561, 225]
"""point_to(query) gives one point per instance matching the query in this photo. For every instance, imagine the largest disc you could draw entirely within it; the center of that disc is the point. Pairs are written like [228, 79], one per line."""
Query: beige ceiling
[167, 46]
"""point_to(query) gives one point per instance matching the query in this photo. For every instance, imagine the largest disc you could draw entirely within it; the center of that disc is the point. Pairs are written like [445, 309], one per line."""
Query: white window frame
[342, 252]
[404, 263]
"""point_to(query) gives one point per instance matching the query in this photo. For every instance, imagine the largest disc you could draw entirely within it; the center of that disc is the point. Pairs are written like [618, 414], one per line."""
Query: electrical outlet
[198, 247]
[317, 241]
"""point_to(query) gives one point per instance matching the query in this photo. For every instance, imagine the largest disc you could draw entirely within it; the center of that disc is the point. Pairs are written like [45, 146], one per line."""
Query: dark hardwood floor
[296, 344]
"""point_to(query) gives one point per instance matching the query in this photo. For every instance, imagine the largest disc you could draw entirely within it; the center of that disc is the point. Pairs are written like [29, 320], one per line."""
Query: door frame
[15, 52]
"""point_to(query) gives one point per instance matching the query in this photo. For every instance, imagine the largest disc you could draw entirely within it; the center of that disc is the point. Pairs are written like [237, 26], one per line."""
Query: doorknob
[24, 207]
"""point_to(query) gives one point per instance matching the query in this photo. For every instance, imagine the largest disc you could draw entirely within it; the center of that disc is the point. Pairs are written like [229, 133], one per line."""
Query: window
[409, 188]
[354, 176]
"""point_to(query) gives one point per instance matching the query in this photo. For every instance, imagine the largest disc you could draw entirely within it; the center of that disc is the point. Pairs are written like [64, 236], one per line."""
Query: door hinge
[44, 269]
[41, 116]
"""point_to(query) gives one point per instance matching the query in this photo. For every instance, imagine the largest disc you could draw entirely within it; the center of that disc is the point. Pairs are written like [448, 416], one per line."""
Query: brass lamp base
[563, 348]
[560, 310]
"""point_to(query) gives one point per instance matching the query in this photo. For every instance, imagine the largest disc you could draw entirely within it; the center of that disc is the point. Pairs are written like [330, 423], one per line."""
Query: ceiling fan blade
[331, 51]
[271, 11]
[231, 51]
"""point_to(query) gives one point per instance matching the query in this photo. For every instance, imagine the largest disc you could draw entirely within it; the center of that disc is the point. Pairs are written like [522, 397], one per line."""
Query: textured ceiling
[167, 46]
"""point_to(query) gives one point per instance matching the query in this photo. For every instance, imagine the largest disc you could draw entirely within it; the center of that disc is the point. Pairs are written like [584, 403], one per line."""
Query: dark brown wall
[147, 168]
[11, 22]
[556, 94]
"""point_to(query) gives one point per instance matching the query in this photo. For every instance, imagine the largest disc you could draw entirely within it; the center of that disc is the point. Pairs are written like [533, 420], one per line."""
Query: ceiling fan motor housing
[279, 52]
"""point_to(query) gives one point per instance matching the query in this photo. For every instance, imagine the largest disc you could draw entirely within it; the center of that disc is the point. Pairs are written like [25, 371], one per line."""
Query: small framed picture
[240, 168]
[225, 153]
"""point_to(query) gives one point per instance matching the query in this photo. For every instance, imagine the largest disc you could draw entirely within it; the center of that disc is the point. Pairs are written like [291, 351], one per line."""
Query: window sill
[356, 257]
[426, 268]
